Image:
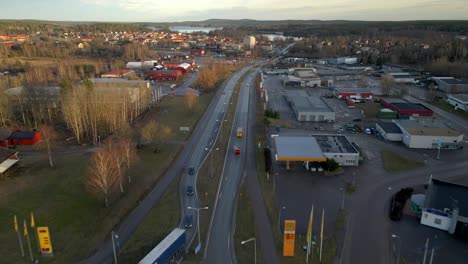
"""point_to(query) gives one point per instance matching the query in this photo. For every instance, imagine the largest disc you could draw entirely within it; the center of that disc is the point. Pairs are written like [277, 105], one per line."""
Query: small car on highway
[191, 170]
[188, 221]
[189, 190]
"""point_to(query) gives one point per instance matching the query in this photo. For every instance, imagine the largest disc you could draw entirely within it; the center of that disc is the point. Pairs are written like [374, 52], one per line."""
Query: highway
[201, 151]
[220, 236]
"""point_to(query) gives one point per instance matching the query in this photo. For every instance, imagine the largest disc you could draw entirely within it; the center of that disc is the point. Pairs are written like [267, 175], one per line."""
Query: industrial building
[459, 101]
[452, 85]
[389, 131]
[386, 113]
[446, 207]
[429, 134]
[405, 109]
[309, 108]
[293, 81]
[339, 148]
[353, 93]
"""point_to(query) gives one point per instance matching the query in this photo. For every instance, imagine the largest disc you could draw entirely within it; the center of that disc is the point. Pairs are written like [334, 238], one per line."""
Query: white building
[429, 134]
[446, 207]
[338, 148]
[459, 101]
[249, 42]
[389, 131]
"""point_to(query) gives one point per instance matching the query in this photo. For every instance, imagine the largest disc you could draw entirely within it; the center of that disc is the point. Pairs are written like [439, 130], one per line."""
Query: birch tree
[101, 180]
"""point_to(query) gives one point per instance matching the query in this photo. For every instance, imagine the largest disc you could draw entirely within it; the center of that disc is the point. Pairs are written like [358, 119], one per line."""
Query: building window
[437, 221]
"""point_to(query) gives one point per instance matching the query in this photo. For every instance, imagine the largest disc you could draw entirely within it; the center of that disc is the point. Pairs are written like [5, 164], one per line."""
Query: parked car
[368, 131]
[189, 190]
[340, 129]
[191, 170]
[188, 221]
[357, 120]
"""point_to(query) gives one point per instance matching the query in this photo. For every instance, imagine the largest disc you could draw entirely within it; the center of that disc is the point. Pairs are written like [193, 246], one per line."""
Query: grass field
[78, 222]
[245, 228]
[371, 109]
[160, 221]
[450, 108]
[394, 162]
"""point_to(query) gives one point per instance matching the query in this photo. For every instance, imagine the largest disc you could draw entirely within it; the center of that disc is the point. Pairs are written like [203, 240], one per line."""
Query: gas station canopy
[298, 149]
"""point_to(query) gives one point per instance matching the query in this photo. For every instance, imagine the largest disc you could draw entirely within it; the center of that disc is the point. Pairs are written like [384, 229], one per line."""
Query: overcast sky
[185, 10]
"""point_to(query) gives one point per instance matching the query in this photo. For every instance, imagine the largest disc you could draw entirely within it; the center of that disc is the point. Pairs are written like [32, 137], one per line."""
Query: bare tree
[149, 131]
[387, 84]
[114, 151]
[101, 179]
[130, 155]
[190, 99]
[364, 81]
[49, 138]
[430, 92]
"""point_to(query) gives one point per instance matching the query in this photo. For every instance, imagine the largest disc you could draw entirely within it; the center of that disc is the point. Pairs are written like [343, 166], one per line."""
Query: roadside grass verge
[79, 222]
[160, 221]
[394, 162]
[449, 108]
[245, 228]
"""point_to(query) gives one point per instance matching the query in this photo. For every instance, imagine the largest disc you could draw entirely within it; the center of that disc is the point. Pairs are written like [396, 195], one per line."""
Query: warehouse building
[389, 131]
[429, 134]
[309, 108]
[293, 81]
[452, 85]
[446, 207]
[459, 101]
[338, 148]
[405, 109]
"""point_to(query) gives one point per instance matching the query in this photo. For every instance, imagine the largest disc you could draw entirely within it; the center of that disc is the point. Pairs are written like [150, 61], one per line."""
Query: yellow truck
[239, 132]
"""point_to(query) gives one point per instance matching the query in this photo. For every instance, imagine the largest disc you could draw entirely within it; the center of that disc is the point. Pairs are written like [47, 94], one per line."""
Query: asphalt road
[103, 253]
[204, 146]
[219, 246]
[263, 228]
[366, 241]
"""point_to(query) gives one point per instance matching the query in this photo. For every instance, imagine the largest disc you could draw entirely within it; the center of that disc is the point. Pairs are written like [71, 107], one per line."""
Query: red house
[18, 137]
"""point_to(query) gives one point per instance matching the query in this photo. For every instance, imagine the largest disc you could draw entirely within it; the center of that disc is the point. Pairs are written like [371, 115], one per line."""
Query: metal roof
[448, 195]
[389, 127]
[298, 149]
[303, 102]
[335, 144]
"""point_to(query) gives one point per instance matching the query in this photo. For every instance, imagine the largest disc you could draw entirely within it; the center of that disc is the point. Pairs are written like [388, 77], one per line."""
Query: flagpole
[309, 233]
[15, 222]
[33, 226]
[321, 235]
[29, 241]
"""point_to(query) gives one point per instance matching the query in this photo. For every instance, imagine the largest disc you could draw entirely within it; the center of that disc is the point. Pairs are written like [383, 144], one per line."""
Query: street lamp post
[198, 218]
[279, 217]
[399, 247]
[255, 247]
[342, 189]
[114, 237]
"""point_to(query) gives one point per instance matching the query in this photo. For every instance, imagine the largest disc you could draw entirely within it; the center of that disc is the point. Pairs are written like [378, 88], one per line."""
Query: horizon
[147, 11]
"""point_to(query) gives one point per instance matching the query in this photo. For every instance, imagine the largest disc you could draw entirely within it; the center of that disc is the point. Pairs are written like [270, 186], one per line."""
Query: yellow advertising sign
[44, 240]
[289, 238]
